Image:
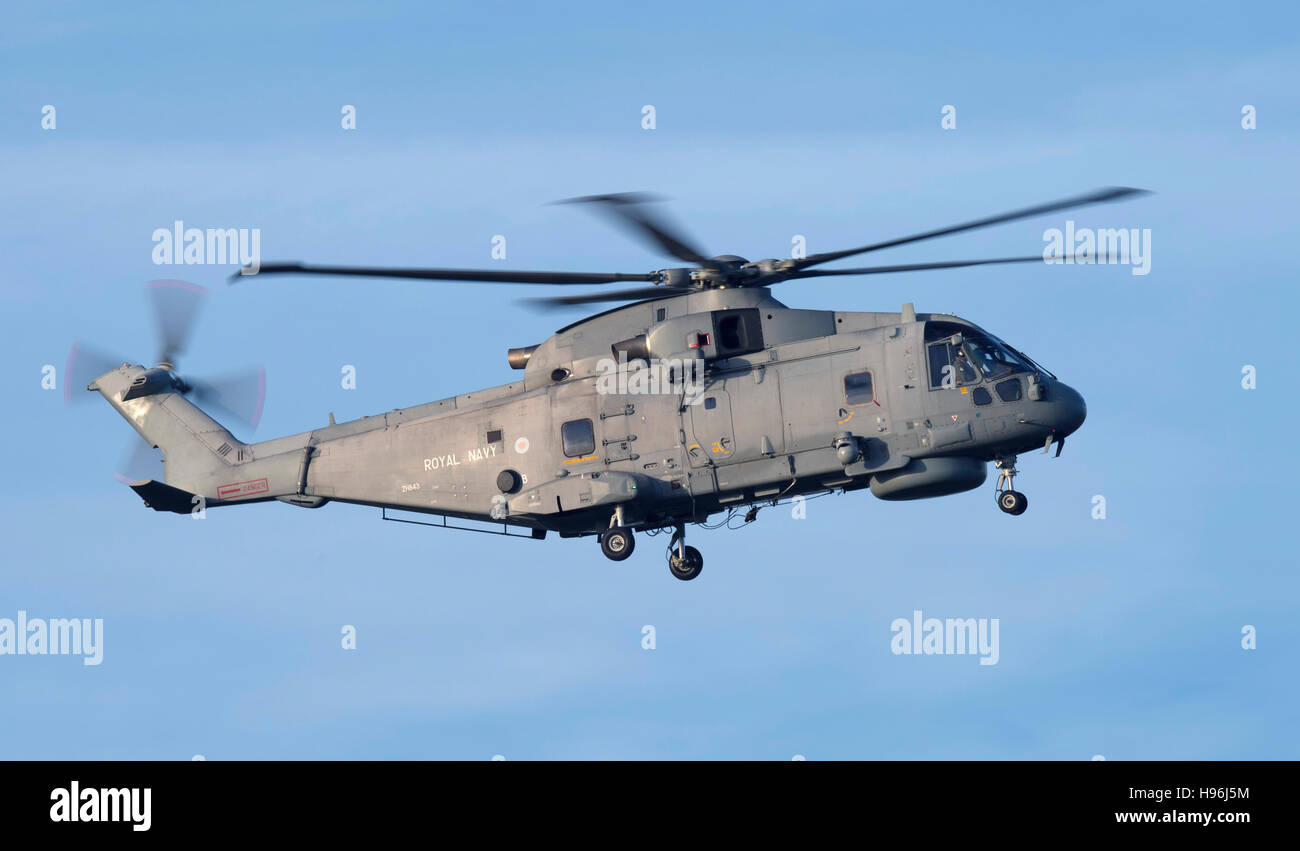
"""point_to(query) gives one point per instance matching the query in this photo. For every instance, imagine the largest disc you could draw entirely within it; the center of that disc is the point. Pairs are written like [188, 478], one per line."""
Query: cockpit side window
[940, 359]
[950, 367]
[962, 367]
[935, 331]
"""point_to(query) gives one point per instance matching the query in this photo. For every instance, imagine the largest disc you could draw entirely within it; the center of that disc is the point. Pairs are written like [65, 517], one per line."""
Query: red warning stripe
[243, 489]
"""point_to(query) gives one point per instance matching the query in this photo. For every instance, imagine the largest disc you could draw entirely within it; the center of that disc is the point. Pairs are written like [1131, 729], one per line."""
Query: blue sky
[1119, 637]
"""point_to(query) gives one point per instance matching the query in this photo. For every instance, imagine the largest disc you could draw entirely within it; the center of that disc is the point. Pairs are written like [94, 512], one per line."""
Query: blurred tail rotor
[140, 462]
[85, 364]
[238, 395]
[176, 304]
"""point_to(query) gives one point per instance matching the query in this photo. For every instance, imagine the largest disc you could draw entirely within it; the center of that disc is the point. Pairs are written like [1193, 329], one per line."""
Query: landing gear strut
[1009, 500]
[683, 562]
[617, 542]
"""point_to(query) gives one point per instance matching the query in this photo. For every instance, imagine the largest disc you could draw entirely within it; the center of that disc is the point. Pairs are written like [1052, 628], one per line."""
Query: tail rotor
[176, 304]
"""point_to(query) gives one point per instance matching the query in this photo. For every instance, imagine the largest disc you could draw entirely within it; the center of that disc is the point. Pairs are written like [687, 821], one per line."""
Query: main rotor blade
[476, 275]
[241, 395]
[612, 295]
[1100, 196]
[947, 264]
[175, 304]
[629, 209]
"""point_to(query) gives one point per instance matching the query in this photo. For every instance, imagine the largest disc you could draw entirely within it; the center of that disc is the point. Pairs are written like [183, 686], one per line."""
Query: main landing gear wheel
[617, 543]
[686, 566]
[1013, 502]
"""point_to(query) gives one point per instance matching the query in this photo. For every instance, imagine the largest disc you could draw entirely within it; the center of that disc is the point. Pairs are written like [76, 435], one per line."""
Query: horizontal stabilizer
[162, 497]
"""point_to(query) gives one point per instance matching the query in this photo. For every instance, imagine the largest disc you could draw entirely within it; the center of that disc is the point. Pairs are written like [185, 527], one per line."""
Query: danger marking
[243, 489]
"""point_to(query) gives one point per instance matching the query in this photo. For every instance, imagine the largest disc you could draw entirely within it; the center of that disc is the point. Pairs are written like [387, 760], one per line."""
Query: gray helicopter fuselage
[786, 402]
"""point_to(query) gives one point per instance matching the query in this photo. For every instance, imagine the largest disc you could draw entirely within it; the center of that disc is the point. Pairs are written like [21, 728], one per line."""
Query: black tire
[1013, 502]
[686, 568]
[617, 543]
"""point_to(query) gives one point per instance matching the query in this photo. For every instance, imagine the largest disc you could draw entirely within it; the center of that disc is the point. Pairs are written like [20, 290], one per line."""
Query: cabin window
[578, 438]
[980, 396]
[494, 435]
[857, 388]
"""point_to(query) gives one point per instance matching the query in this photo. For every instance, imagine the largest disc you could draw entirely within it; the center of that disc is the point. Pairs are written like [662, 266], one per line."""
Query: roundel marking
[521, 445]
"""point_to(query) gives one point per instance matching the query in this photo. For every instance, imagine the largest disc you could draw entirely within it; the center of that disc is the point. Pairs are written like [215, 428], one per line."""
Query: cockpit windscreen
[979, 356]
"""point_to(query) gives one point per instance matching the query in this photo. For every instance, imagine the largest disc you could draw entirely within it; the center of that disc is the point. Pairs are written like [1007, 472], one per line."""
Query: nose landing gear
[683, 562]
[1009, 500]
[1013, 502]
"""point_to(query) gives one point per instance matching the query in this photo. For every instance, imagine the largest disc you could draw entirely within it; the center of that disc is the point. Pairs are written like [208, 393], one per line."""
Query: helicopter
[697, 394]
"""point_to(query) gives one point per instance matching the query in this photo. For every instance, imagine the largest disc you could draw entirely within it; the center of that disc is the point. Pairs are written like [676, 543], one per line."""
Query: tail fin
[201, 458]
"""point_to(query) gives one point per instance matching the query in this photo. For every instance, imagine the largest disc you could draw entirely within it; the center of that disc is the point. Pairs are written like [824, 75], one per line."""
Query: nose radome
[1071, 409]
